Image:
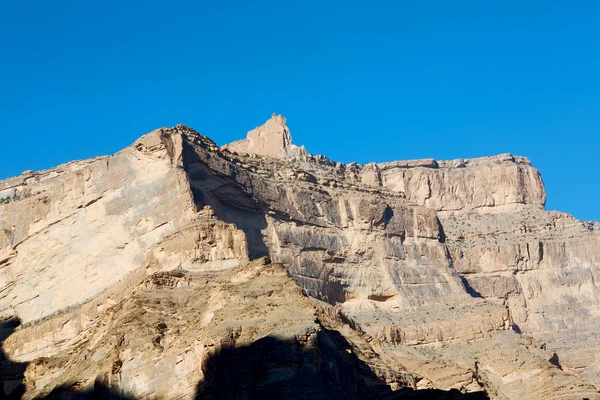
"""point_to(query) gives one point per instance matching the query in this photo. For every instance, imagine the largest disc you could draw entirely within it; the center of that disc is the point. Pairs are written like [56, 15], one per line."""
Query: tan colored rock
[180, 334]
[135, 271]
[544, 266]
[272, 139]
[77, 230]
[502, 182]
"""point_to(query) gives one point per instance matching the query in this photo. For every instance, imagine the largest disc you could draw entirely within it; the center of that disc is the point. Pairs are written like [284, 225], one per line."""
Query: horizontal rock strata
[176, 263]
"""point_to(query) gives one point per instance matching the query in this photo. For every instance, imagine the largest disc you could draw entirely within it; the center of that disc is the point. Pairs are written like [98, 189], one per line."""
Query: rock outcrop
[162, 268]
[544, 266]
[504, 183]
[272, 139]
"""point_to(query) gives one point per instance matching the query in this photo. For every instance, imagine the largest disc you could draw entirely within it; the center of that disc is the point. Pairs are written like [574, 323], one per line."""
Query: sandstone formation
[158, 270]
[271, 139]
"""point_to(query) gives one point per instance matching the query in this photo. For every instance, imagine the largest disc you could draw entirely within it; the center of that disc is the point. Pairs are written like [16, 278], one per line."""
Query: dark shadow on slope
[228, 200]
[433, 394]
[271, 368]
[442, 237]
[388, 214]
[11, 373]
[99, 391]
[516, 328]
[469, 288]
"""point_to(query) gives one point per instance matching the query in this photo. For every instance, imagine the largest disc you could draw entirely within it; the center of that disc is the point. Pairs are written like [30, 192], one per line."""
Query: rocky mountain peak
[272, 139]
[147, 273]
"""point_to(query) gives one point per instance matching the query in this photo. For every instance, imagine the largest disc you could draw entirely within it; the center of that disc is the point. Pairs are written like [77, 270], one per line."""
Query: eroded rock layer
[147, 273]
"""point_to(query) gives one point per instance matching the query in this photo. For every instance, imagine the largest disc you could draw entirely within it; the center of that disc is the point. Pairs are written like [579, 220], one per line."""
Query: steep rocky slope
[146, 274]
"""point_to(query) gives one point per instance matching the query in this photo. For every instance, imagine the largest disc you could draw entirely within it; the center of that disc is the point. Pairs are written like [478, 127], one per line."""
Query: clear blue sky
[357, 80]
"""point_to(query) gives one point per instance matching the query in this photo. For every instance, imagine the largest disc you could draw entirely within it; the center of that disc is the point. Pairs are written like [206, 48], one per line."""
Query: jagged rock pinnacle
[272, 139]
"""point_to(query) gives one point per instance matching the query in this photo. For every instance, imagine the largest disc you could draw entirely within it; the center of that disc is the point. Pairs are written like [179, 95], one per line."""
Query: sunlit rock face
[175, 263]
[501, 183]
[272, 139]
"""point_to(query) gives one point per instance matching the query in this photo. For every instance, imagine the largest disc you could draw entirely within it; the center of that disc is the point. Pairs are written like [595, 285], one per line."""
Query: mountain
[176, 268]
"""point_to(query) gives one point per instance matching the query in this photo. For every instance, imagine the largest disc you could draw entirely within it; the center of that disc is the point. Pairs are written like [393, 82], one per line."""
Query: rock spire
[271, 139]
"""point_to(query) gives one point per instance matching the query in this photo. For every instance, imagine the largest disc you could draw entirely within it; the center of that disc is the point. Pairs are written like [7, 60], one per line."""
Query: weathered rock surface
[134, 274]
[503, 182]
[271, 139]
[544, 266]
[74, 231]
[177, 331]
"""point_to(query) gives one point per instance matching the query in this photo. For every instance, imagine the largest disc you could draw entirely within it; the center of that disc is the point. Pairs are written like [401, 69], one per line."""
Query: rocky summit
[176, 268]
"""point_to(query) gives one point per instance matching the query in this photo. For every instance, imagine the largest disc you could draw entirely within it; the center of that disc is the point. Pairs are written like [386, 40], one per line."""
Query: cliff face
[70, 233]
[502, 182]
[135, 272]
[545, 267]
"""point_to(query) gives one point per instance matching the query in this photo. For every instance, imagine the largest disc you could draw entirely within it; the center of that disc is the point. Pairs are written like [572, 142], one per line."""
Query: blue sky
[357, 81]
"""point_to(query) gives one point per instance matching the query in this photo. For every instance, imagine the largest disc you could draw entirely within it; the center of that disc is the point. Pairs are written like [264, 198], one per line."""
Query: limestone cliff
[147, 273]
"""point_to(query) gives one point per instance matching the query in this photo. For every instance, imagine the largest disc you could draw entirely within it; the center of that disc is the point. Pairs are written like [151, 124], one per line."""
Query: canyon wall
[137, 271]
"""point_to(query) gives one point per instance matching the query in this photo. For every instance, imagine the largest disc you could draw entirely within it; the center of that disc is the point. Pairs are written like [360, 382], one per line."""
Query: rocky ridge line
[381, 251]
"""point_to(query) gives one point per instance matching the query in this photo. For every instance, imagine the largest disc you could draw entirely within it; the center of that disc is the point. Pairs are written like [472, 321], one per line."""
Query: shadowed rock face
[11, 373]
[274, 369]
[163, 269]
